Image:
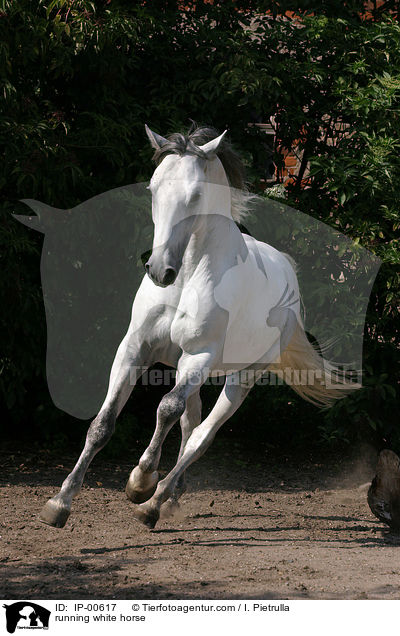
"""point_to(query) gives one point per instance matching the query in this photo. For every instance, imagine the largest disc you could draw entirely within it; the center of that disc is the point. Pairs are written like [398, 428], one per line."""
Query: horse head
[188, 183]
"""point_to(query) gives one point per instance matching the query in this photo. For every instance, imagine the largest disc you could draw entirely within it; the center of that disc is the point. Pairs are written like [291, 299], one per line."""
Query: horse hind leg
[189, 421]
[125, 371]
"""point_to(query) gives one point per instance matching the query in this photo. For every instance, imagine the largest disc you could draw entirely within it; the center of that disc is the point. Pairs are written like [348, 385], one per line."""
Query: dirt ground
[259, 527]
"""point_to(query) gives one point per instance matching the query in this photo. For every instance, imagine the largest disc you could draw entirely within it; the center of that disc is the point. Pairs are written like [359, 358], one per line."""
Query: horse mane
[180, 144]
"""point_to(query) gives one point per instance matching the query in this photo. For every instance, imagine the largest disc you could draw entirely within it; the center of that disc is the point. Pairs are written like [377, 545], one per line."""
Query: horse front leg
[143, 479]
[126, 370]
[231, 397]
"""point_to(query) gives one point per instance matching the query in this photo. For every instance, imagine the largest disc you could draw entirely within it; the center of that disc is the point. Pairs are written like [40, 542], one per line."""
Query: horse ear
[156, 140]
[211, 147]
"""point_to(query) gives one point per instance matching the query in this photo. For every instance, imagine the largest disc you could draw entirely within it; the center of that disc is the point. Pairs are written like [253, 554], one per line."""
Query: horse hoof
[137, 493]
[54, 513]
[146, 515]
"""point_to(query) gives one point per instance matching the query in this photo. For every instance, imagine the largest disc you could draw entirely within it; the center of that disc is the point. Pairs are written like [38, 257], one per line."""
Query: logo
[92, 266]
[26, 615]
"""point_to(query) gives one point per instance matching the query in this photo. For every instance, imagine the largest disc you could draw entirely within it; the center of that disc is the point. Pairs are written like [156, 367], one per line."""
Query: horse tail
[313, 377]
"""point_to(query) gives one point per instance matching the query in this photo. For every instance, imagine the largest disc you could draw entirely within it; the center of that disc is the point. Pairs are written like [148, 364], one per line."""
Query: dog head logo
[93, 261]
[26, 615]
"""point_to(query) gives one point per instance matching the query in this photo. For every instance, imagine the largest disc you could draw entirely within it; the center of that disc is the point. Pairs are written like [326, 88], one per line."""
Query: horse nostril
[145, 258]
[169, 276]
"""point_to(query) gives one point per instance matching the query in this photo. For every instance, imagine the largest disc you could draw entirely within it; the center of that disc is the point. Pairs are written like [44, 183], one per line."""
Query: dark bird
[384, 492]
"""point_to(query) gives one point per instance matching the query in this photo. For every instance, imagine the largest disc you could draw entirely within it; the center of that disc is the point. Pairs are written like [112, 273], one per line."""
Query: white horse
[213, 301]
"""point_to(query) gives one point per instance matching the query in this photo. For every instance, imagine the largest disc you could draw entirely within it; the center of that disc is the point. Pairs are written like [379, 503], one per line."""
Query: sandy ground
[265, 528]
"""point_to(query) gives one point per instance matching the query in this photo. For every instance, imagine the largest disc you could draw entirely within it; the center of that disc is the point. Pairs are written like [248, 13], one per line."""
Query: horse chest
[197, 321]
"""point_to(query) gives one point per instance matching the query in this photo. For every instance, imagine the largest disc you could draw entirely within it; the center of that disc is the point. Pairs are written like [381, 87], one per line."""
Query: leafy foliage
[79, 79]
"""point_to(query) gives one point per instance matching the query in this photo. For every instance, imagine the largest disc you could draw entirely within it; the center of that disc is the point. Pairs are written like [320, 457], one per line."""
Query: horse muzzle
[161, 276]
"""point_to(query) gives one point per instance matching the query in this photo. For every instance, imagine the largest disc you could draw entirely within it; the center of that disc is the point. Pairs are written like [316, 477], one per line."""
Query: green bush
[80, 79]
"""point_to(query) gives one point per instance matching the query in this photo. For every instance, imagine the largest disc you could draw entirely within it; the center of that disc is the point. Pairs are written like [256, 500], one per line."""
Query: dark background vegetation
[78, 81]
